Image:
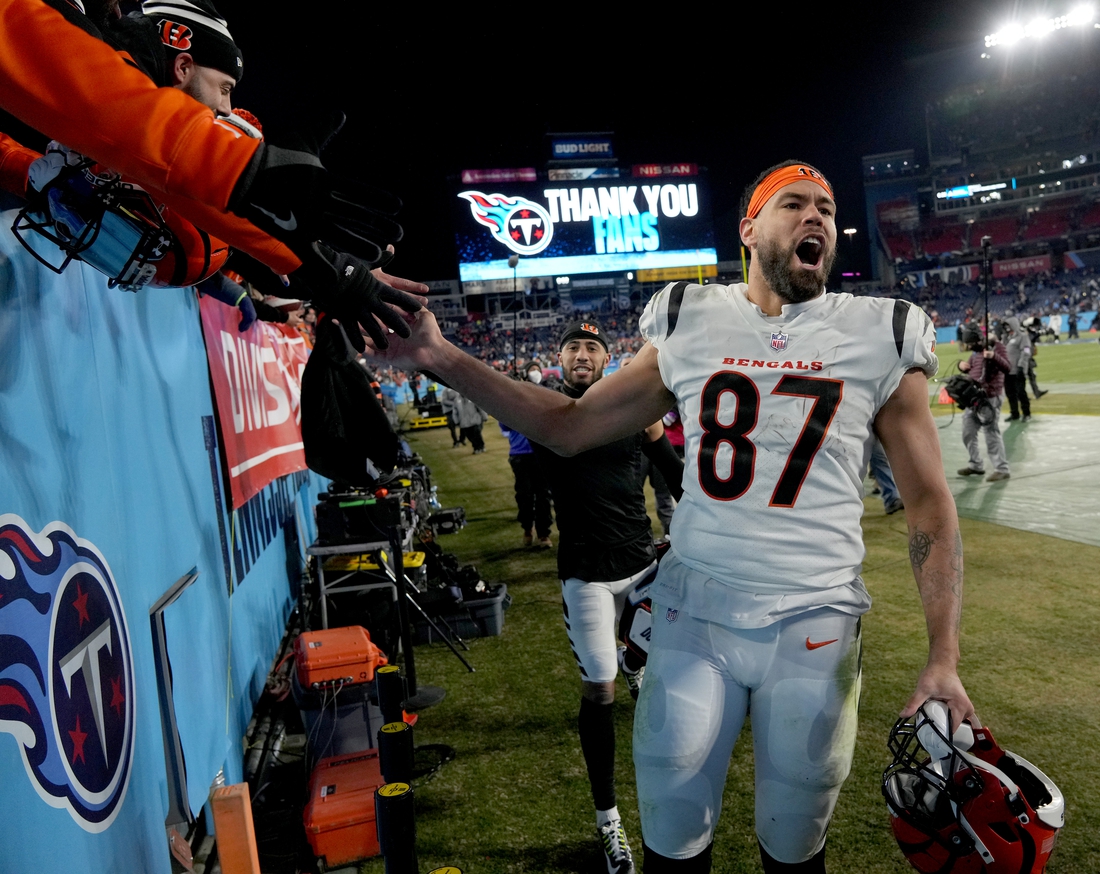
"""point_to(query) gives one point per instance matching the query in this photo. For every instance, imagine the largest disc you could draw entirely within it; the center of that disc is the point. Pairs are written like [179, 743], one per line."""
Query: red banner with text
[257, 378]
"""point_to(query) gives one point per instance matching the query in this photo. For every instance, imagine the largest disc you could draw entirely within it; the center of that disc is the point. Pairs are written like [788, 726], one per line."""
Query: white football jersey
[777, 415]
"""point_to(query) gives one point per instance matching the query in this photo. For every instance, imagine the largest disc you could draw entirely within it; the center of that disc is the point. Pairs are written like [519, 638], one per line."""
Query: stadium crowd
[1042, 294]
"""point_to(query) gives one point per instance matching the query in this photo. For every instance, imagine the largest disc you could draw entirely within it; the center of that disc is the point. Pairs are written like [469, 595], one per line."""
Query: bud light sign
[581, 149]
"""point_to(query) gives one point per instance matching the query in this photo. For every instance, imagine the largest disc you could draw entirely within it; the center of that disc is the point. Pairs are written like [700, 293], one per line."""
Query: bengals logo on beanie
[177, 36]
[194, 26]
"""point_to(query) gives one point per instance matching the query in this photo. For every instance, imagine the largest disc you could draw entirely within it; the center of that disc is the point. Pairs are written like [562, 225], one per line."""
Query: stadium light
[1080, 15]
[1012, 33]
[850, 232]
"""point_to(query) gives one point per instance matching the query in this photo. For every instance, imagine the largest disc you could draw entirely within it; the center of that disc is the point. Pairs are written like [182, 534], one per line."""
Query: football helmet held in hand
[963, 805]
[93, 215]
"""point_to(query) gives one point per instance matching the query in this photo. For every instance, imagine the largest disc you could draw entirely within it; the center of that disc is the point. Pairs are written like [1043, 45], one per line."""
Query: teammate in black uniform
[605, 550]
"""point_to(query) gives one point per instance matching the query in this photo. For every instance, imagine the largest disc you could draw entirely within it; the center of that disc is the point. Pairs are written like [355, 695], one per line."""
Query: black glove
[343, 286]
[287, 192]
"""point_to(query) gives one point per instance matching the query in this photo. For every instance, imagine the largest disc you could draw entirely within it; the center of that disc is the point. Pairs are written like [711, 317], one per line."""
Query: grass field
[1055, 362]
[516, 798]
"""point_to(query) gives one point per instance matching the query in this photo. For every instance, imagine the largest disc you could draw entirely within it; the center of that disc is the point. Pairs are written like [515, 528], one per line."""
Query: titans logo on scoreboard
[66, 670]
[522, 225]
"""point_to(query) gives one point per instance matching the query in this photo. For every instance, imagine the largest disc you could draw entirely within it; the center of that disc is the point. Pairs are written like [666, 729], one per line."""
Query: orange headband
[781, 178]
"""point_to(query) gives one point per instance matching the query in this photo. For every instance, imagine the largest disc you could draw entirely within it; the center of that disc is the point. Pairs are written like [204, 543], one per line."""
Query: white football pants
[802, 678]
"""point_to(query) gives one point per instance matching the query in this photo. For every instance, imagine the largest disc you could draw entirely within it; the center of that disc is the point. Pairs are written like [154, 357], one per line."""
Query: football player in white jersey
[781, 387]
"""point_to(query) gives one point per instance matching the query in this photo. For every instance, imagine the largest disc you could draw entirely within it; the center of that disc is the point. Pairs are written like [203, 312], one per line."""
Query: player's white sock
[603, 817]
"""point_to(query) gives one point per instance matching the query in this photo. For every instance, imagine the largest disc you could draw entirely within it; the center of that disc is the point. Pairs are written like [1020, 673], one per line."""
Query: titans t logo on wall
[520, 224]
[66, 670]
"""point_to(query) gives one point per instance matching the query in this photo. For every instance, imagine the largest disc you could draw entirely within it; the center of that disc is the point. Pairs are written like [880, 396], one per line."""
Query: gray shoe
[997, 476]
[969, 471]
[896, 505]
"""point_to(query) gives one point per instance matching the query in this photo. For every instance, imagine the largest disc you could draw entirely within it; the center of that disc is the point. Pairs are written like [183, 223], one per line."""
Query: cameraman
[987, 366]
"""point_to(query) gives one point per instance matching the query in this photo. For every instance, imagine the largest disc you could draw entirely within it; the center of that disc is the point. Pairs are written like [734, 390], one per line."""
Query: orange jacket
[15, 162]
[77, 90]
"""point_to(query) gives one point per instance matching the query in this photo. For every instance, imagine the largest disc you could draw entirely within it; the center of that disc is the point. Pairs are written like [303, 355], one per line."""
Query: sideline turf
[1054, 362]
[516, 798]
[1068, 372]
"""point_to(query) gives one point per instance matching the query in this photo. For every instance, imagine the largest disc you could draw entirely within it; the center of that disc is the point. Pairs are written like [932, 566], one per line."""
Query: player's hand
[944, 685]
[417, 350]
[287, 192]
[344, 287]
[964, 366]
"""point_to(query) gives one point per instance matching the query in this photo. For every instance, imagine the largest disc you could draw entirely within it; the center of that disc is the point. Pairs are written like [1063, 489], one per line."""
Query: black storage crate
[476, 617]
[356, 518]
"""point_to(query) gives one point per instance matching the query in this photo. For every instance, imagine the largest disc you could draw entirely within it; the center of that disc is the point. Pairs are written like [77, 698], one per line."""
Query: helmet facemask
[97, 218]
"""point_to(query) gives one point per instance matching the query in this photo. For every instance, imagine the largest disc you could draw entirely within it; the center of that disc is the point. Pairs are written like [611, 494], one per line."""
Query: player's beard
[792, 284]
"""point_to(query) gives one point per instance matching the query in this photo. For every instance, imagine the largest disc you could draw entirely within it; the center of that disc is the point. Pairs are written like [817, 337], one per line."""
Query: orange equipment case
[335, 656]
[339, 816]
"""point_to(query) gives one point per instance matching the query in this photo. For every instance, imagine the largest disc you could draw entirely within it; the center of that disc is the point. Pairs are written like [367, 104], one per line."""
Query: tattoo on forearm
[920, 545]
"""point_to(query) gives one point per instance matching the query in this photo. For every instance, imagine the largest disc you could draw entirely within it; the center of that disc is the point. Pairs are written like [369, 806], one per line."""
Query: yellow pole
[744, 269]
[700, 266]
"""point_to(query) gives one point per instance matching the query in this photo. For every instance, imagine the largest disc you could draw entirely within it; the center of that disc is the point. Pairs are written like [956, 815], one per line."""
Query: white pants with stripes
[592, 611]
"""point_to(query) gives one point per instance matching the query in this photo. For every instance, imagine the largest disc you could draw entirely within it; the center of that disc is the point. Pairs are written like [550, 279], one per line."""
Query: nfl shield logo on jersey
[672, 614]
[779, 341]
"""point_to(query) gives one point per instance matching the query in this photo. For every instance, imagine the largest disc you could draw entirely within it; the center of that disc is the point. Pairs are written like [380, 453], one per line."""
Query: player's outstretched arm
[908, 434]
[614, 407]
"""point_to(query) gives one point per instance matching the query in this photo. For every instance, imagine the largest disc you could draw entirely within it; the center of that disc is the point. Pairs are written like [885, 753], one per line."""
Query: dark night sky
[427, 97]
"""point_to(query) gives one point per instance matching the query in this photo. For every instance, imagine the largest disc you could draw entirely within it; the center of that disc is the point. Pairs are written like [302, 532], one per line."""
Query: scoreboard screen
[598, 226]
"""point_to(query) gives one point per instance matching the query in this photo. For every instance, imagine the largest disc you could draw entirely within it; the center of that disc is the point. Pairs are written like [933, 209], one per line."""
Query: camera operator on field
[987, 366]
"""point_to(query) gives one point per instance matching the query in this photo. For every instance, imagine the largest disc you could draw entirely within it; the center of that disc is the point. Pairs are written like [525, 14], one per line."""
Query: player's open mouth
[810, 252]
